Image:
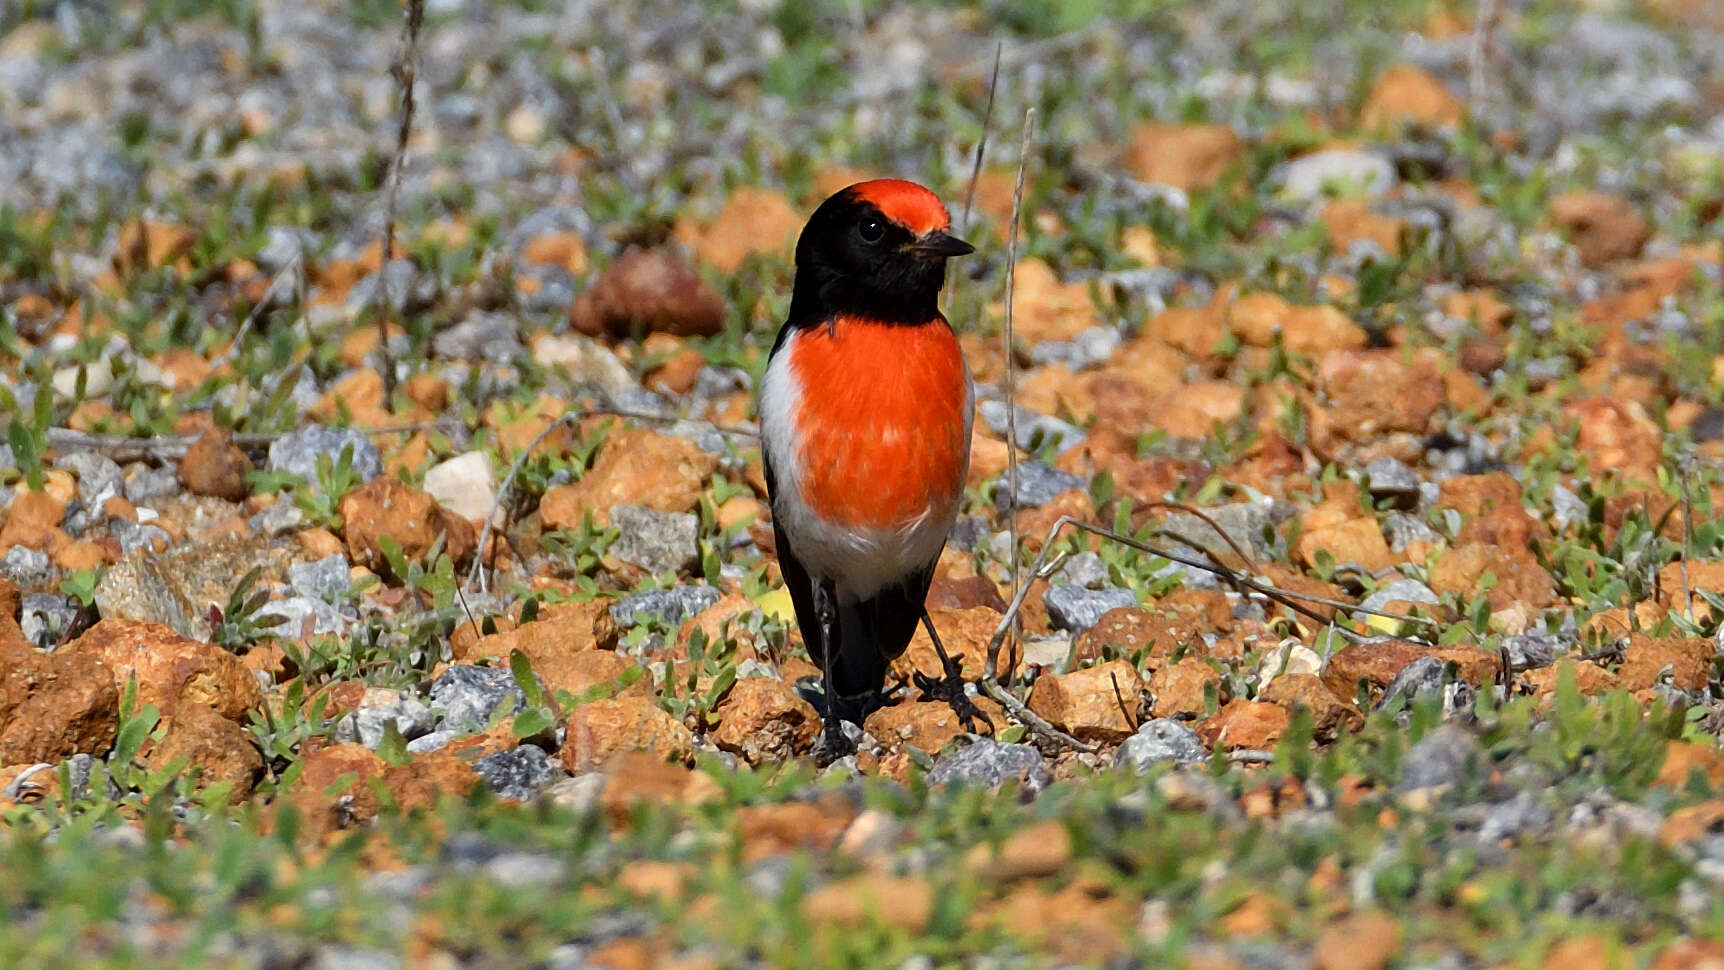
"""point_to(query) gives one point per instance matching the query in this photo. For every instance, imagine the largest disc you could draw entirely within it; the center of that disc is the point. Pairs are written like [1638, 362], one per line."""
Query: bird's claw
[834, 743]
[950, 688]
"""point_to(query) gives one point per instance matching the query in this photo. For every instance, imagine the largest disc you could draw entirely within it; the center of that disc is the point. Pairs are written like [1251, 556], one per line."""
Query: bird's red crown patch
[906, 203]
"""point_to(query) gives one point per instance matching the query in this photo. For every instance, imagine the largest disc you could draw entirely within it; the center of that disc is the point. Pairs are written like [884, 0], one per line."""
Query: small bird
[865, 414]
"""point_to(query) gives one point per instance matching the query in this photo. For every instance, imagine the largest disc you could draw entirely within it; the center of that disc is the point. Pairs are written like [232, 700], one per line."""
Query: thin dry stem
[405, 70]
[1011, 373]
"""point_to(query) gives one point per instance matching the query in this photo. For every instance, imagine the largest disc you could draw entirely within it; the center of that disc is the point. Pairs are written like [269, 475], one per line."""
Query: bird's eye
[871, 230]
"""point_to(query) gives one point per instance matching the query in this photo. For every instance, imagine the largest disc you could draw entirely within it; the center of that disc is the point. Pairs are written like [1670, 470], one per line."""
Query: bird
[865, 410]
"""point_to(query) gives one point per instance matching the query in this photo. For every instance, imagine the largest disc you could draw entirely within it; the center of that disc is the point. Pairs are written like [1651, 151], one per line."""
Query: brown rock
[1244, 724]
[1405, 94]
[1330, 715]
[1257, 318]
[1355, 540]
[1042, 849]
[1353, 220]
[53, 706]
[754, 221]
[1185, 156]
[1586, 953]
[1691, 954]
[1617, 436]
[1181, 688]
[213, 466]
[1129, 629]
[650, 291]
[428, 391]
[170, 669]
[962, 632]
[564, 250]
[636, 776]
[412, 519]
[1365, 940]
[926, 725]
[678, 374]
[764, 720]
[1047, 309]
[326, 808]
[1603, 227]
[32, 521]
[601, 729]
[1092, 704]
[211, 747]
[148, 244]
[561, 629]
[1376, 663]
[1687, 661]
[1519, 578]
[1589, 678]
[661, 472]
[865, 900]
[1682, 759]
[964, 594]
[1372, 392]
[428, 778]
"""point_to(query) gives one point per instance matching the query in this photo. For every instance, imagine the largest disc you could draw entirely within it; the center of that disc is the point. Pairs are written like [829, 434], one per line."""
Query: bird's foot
[834, 743]
[950, 688]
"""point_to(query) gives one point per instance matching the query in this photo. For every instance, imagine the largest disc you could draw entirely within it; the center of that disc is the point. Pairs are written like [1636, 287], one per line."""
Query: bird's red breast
[882, 419]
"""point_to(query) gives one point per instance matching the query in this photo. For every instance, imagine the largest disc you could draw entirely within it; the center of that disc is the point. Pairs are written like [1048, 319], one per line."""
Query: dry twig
[405, 71]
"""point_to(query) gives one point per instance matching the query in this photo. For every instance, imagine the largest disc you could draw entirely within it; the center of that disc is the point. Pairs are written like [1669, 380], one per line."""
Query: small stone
[1402, 591]
[669, 606]
[1390, 479]
[1077, 609]
[411, 519]
[1312, 177]
[648, 291]
[274, 519]
[464, 485]
[1446, 757]
[1366, 940]
[1034, 430]
[1403, 530]
[1330, 715]
[304, 617]
[1038, 484]
[214, 466]
[1162, 740]
[213, 747]
[466, 697]
[27, 568]
[297, 452]
[1522, 815]
[99, 477]
[991, 764]
[1245, 523]
[657, 542]
[1604, 227]
[661, 472]
[1530, 651]
[598, 731]
[519, 773]
[1086, 569]
[326, 579]
[369, 725]
[1241, 723]
[763, 720]
[170, 669]
[480, 336]
[1093, 704]
[434, 741]
[45, 618]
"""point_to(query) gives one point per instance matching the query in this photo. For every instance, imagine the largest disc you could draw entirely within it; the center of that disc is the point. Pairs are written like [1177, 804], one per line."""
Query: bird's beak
[940, 244]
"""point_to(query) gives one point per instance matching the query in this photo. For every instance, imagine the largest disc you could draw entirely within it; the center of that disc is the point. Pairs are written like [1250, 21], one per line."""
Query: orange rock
[1366, 940]
[754, 221]
[678, 374]
[1691, 954]
[661, 472]
[562, 629]
[1519, 578]
[1092, 704]
[648, 290]
[1692, 824]
[412, 519]
[1590, 679]
[860, 901]
[1371, 392]
[1603, 227]
[1352, 220]
[1483, 307]
[634, 776]
[170, 669]
[1046, 309]
[764, 720]
[1405, 94]
[146, 244]
[1618, 436]
[1330, 715]
[1182, 688]
[1042, 849]
[1682, 759]
[564, 250]
[52, 706]
[1257, 318]
[1586, 953]
[1244, 724]
[1195, 331]
[32, 521]
[213, 466]
[968, 593]
[1185, 156]
[1648, 659]
[1356, 540]
[1377, 662]
[964, 632]
[213, 748]
[428, 391]
[926, 725]
[601, 729]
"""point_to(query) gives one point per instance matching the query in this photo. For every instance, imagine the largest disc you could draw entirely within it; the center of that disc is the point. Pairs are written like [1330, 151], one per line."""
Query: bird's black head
[876, 250]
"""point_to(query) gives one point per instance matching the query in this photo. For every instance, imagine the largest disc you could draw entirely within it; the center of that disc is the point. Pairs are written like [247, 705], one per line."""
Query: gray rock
[144, 485]
[1392, 480]
[45, 618]
[297, 453]
[1246, 523]
[580, 793]
[1420, 678]
[465, 697]
[1077, 609]
[1038, 484]
[525, 870]
[1309, 177]
[1091, 347]
[1530, 651]
[302, 614]
[325, 579]
[1402, 530]
[1566, 508]
[1404, 590]
[481, 336]
[1085, 569]
[672, 606]
[404, 287]
[1034, 430]
[368, 725]
[277, 518]
[969, 533]
[332, 956]
[1446, 757]
[1159, 741]
[27, 568]
[1522, 815]
[519, 773]
[99, 477]
[139, 536]
[435, 740]
[991, 764]
[655, 541]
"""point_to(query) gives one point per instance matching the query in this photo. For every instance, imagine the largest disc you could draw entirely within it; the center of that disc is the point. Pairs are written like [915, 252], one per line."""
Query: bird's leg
[950, 687]
[834, 743]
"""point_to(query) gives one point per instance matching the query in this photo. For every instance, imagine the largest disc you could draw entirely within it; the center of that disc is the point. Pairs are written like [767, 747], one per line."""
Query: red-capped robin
[865, 414]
